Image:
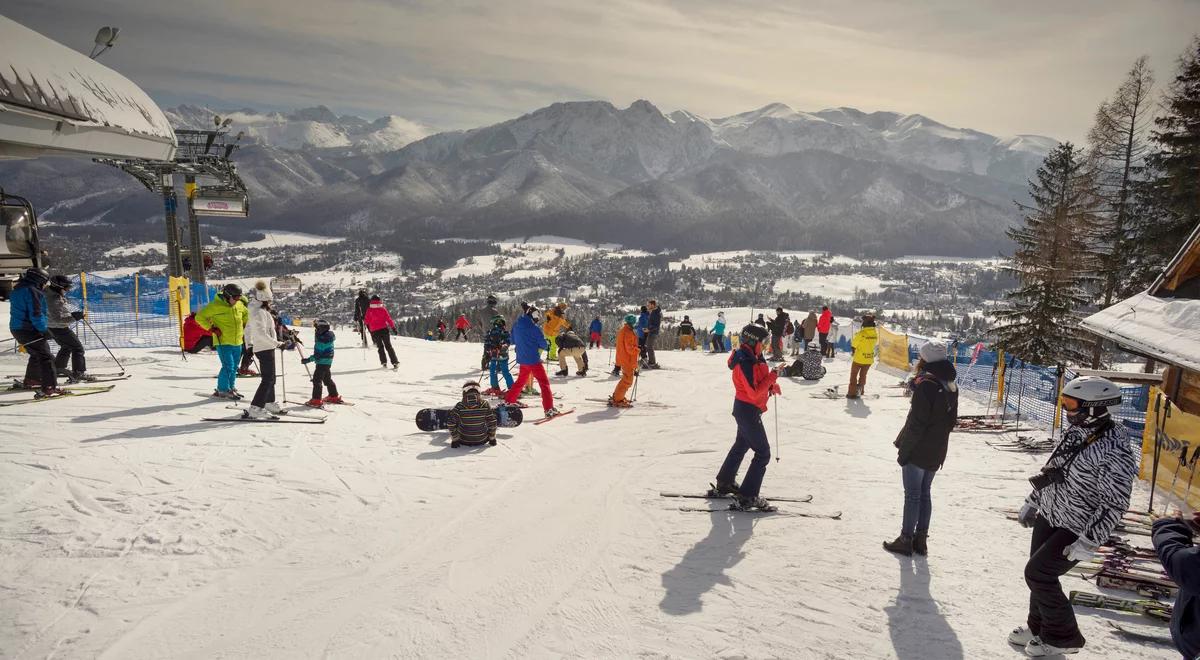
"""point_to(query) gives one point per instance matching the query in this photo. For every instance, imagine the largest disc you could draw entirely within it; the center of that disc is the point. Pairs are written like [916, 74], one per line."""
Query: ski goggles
[1069, 404]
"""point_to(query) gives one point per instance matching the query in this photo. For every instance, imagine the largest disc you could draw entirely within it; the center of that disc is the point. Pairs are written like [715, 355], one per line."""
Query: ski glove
[775, 389]
[1027, 515]
[78, 316]
[1080, 550]
[306, 360]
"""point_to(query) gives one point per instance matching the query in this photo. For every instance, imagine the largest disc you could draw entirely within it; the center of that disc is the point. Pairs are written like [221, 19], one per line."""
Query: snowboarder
[381, 326]
[777, 326]
[1078, 498]
[863, 347]
[808, 330]
[594, 333]
[653, 325]
[59, 321]
[556, 320]
[571, 345]
[718, 334]
[322, 355]
[471, 422]
[496, 344]
[530, 341]
[823, 324]
[28, 324]
[263, 338]
[687, 334]
[195, 338]
[361, 303]
[1174, 544]
[226, 317]
[922, 444]
[627, 361]
[461, 325]
[753, 383]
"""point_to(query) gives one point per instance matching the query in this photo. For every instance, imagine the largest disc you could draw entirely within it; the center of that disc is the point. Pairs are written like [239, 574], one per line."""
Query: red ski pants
[538, 372]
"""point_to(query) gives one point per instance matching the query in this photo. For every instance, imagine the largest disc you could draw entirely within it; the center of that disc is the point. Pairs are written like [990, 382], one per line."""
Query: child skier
[529, 340]
[381, 326]
[687, 334]
[60, 318]
[496, 343]
[627, 361]
[323, 357]
[753, 382]
[594, 333]
[471, 421]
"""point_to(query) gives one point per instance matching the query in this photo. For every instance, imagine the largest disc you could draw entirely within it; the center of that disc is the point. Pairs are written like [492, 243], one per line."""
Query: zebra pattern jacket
[1099, 479]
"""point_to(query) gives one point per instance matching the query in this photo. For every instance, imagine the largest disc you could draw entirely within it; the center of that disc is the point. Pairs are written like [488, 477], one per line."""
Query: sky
[1003, 67]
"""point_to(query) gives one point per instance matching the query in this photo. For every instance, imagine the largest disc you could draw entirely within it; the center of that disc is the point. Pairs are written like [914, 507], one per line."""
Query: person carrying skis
[28, 324]
[594, 333]
[530, 341]
[753, 383]
[471, 422]
[718, 334]
[496, 344]
[226, 317]
[823, 324]
[1078, 498]
[381, 326]
[461, 325]
[1176, 550]
[687, 334]
[59, 322]
[484, 321]
[262, 337]
[653, 325]
[195, 338]
[808, 330]
[571, 345]
[556, 321]
[322, 355]
[361, 303]
[922, 444]
[778, 326]
[863, 347]
[627, 362]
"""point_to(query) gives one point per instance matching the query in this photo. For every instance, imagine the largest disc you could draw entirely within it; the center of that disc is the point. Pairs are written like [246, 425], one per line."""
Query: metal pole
[1157, 451]
[283, 374]
[170, 205]
[197, 254]
[110, 353]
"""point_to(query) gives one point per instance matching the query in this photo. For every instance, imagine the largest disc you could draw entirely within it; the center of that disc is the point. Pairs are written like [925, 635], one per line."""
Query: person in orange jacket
[627, 361]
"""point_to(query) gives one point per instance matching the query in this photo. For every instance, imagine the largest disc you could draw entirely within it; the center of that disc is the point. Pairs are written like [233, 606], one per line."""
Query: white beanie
[931, 352]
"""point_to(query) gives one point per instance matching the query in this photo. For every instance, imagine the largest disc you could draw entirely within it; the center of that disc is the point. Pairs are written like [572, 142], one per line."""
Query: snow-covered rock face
[309, 128]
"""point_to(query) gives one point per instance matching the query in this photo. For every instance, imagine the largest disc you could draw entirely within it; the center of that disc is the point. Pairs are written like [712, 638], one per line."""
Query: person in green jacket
[863, 347]
[226, 317]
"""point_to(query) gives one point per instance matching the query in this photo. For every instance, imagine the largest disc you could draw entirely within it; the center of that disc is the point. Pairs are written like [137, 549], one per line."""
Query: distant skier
[381, 326]
[571, 345]
[195, 338]
[441, 329]
[718, 334]
[595, 331]
[322, 356]
[361, 303]
[529, 341]
[59, 321]
[461, 325]
[687, 334]
[753, 382]
[1078, 498]
[653, 326]
[556, 321]
[863, 347]
[823, 326]
[226, 317]
[471, 422]
[778, 326]
[263, 338]
[27, 322]
[496, 344]
[627, 361]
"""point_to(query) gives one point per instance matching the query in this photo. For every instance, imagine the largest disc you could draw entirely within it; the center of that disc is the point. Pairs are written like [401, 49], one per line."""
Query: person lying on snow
[471, 421]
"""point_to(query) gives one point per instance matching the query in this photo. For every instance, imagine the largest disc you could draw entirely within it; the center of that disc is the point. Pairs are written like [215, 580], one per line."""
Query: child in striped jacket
[472, 421]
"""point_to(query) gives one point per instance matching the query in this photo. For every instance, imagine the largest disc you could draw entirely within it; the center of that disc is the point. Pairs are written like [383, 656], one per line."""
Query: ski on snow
[1149, 608]
[836, 515]
[297, 412]
[705, 496]
[80, 391]
[277, 420]
[550, 419]
[1157, 634]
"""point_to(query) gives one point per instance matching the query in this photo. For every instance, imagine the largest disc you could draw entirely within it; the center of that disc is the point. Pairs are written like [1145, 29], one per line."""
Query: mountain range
[879, 183]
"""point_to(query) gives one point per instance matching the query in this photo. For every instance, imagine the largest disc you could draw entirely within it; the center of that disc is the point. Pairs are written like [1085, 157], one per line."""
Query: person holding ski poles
[226, 317]
[263, 339]
[1174, 544]
[381, 326]
[529, 341]
[361, 303]
[27, 322]
[496, 344]
[718, 334]
[753, 383]
[60, 318]
[1078, 498]
[595, 331]
[627, 362]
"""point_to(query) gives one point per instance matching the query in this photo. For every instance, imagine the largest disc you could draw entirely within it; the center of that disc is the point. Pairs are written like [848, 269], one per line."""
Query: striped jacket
[472, 421]
[1095, 492]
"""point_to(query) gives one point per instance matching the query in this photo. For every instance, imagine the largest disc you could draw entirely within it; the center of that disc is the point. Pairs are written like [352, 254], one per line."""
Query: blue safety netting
[129, 312]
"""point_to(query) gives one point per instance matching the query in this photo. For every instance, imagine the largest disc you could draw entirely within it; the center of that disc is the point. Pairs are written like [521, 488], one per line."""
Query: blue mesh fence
[129, 312]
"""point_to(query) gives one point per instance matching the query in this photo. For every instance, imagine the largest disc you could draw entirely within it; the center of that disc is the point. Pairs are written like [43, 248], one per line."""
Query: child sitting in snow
[471, 421]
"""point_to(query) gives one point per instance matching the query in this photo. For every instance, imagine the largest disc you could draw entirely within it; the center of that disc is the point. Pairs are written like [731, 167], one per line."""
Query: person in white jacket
[263, 340]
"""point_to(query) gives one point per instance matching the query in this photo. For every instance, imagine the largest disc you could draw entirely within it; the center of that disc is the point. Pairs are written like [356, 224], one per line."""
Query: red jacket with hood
[752, 377]
[825, 321]
[377, 317]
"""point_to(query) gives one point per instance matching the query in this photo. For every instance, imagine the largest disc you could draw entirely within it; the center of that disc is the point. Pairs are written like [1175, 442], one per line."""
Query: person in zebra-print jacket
[1077, 501]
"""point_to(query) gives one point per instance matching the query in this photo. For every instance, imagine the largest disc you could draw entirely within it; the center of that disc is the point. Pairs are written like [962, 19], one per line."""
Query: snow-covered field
[131, 529]
[838, 287]
[275, 239]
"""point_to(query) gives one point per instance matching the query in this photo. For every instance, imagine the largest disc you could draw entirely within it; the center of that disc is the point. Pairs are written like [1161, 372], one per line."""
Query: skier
[922, 444]
[441, 330]
[461, 325]
[263, 338]
[1078, 499]
[643, 322]
[834, 336]
[484, 321]
[322, 355]
[797, 338]
[28, 324]
[653, 325]
[361, 303]
[496, 344]
[808, 329]
[753, 382]
[471, 422]
[59, 322]
[627, 362]
[863, 346]
[1174, 544]
[687, 334]
[718, 334]
[556, 320]
[195, 338]
[594, 333]
[571, 345]
[760, 321]
[381, 326]
[823, 324]
[226, 317]
[777, 326]
[530, 341]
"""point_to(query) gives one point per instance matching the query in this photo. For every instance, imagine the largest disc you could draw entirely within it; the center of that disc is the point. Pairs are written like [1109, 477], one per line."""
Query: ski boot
[552, 412]
[745, 503]
[254, 412]
[493, 391]
[313, 403]
[247, 372]
[623, 403]
[80, 377]
[903, 545]
[225, 394]
[274, 408]
[1036, 648]
[49, 392]
[616, 371]
[721, 489]
[395, 366]
[236, 395]
[333, 399]
[561, 372]
[1021, 636]
[581, 374]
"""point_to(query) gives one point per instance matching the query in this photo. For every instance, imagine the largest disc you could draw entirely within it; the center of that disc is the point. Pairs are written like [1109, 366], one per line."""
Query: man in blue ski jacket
[28, 323]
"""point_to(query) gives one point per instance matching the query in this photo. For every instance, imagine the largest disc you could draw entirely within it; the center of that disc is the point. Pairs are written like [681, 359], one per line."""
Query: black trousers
[824, 339]
[1051, 616]
[41, 361]
[266, 384]
[201, 344]
[69, 348]
[383, 341]
[322, 376]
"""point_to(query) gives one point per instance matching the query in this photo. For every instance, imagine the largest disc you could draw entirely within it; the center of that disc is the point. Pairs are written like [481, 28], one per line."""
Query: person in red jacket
[823, 323]
[379, 323]
[461, 325]
[753, 383]
[195, 337]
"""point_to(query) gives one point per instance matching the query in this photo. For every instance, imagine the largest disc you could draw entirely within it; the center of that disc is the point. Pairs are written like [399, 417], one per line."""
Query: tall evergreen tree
[1053, 263]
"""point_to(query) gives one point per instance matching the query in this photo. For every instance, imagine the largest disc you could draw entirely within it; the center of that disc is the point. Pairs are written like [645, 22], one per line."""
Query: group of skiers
[40, 313]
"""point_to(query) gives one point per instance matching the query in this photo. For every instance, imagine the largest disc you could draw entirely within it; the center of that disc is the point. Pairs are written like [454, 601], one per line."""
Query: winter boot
[247, 372]
[313, 403]
[492, 391]
[1036, 648]
[616, 371]
[903, 545]
[395, 366]
[746, 503]
[274, 408]
[333, 399]
[254, 412]
[723, 488]
[1020, 636]
[581, 374]
[224, 394]
[561, 372]
[919, 546]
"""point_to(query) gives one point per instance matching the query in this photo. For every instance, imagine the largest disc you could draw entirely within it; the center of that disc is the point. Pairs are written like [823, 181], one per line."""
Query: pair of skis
[71, 393]
[836, 515]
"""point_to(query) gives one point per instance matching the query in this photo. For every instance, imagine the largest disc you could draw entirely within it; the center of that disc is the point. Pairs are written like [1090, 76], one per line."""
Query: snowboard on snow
[435, 419]
[69, 394]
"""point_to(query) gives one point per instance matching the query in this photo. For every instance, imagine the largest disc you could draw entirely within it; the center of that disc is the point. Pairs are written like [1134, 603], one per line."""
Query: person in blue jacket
[529, 340]
[594, 331]
[28, 323]
[642, 324]
[718, 334]
[1174, 543]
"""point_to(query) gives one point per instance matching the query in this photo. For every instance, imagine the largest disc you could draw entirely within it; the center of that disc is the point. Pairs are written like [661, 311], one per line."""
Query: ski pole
[1157, 451]
[306, 369]
[776, 428]
[110, 353]
[1180, 462]
[283, 374]
[636, 375]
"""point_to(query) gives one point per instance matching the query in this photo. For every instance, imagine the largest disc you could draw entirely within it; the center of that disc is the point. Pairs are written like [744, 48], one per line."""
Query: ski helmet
[470, 386]
[1091, 396]
[321, 325]
[61, 282]
[231, 290]
[497, 320]
[37, 277]
[752, 334]
[491, 300]
[631, 320]
[376, 298]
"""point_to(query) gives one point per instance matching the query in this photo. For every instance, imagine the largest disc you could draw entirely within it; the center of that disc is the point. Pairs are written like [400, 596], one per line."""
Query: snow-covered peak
[1036, 144]
[308, 128]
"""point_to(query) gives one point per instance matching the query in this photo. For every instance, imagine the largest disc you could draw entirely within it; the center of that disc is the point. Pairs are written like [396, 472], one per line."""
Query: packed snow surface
[274, 239]
[131, 529]
[840, 287]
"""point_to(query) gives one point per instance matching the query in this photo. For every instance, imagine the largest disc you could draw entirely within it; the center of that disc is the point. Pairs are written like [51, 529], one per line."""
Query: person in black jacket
[922, 444]
[687, 334]
[361, 303]
[1173, 541]
[778, 327]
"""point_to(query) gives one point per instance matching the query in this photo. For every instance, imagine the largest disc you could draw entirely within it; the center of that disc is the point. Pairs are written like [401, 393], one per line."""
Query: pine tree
[1053, 263]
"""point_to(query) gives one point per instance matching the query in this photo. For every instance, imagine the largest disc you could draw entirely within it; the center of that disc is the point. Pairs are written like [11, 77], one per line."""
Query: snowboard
[72, 393]
[1149, 608]
[434, 419]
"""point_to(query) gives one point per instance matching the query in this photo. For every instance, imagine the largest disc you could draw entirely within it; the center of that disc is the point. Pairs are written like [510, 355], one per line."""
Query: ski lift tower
[212, 185]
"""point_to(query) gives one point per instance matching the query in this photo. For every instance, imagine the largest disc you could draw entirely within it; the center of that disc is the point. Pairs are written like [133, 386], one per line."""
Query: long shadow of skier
[703, 566]
[916, 623]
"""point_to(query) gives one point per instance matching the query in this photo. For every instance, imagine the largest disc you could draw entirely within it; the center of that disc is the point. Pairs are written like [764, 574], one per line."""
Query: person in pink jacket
[381, 326]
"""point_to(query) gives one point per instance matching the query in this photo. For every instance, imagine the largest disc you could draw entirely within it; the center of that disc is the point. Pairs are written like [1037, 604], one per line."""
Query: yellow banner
[893, 349]
[181, 302]
[1178, 434]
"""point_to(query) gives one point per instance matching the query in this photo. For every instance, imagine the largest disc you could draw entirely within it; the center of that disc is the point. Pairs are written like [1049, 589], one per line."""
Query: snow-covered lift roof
[56, 101]
[1167, 329]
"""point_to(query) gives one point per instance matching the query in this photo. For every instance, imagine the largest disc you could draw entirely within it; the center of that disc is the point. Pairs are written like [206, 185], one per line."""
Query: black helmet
[37, 277]
[491, 299]
[231, 290]
[376, 298]
[61, 282]
[752, 334]
[321, 325]
[497, 320]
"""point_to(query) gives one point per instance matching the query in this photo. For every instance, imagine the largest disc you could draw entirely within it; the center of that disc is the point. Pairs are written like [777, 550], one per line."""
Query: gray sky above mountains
[1004, 67]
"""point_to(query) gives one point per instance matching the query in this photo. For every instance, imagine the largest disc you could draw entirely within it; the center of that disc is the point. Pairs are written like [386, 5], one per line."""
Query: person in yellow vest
[226, 317]
[556, 322]
[863, 348]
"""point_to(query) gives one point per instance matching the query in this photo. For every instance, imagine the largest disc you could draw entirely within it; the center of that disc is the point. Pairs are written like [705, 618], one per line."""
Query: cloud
[996, 66]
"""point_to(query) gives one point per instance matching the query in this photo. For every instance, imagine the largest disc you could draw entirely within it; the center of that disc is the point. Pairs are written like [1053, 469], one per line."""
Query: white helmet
[1092, 391]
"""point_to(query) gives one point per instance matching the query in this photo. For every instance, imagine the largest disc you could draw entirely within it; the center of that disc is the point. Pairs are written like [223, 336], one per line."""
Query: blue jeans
[500, 365]
[750, 435]
[230, 355]
[918, 505]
